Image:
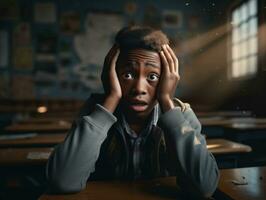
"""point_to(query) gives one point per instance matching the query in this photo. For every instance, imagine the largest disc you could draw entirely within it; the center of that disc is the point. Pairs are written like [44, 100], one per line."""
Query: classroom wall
[55, 49]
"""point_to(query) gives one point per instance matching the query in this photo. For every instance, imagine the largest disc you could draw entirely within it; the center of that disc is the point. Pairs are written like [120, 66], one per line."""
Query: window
[244, 43]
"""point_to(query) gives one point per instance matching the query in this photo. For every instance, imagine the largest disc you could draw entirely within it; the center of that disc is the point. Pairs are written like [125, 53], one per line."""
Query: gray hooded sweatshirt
[74, 161]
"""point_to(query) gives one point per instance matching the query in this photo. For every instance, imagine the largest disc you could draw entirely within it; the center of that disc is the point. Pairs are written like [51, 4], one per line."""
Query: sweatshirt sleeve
[72, 161]
[195, 167]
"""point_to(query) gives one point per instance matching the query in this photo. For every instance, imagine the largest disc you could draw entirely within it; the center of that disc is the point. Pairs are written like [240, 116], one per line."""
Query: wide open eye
[153, 77]
[127, 76]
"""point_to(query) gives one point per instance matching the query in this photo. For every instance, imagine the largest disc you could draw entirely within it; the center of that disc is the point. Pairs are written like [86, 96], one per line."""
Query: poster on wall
[4, 48]
[22, 34]
[70, 22]
[92, 46]
[23, 58]
[22, 87]
[45, 59]
[45, 12]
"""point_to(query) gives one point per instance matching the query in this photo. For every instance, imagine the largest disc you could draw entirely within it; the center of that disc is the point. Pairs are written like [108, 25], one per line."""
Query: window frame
[230, 59]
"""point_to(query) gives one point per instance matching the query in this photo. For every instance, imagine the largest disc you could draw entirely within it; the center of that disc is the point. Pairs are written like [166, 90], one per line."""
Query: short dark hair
[141, 37]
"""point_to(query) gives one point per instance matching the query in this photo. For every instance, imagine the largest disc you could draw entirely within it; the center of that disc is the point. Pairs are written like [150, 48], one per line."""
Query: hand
[111, 85]
[169, 78]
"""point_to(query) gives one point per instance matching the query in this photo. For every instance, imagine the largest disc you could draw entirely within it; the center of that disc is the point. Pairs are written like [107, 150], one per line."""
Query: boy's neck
[136, 128]
[136, 123]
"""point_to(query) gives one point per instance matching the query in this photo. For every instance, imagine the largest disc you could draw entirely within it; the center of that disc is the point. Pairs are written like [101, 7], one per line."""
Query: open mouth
[138, 106]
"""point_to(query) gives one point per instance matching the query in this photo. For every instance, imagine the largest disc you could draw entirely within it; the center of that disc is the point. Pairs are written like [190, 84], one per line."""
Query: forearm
[72, 161]
[110, 102]
[195, 167]
[166, 105]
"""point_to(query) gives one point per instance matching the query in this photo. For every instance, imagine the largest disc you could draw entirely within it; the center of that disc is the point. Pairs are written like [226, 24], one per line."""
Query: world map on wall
[93, 44]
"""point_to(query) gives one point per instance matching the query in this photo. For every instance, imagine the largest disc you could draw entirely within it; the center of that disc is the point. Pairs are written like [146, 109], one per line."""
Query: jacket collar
[123, 126]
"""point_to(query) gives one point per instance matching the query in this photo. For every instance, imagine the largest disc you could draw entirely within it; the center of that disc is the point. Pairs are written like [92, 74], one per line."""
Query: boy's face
[138, 72]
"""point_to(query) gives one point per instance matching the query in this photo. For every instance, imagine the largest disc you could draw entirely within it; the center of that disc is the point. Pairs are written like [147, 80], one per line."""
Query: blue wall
[146, 12]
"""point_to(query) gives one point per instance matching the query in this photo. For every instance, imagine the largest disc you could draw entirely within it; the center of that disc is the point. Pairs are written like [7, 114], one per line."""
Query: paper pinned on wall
[95, 42]
[4, 48]
[70, 22]
[93, 45]
[45, 12]
[23, 58]
[22, 34]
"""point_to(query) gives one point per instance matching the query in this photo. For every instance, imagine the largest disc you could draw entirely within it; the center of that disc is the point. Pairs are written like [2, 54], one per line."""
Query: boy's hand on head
[169, 78]
[111, 85]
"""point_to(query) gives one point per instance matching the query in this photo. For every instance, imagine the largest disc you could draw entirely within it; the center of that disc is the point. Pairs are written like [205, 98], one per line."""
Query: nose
[139, 87]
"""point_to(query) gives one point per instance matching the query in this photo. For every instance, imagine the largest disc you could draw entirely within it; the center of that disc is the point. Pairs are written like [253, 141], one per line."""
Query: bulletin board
[57, 49]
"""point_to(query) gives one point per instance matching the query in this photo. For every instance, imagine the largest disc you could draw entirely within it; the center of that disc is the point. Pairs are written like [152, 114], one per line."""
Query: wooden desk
[246, 124]
[253, 133]
[24, 156]
[12, 148]
[213, 121]
[58, 114]
[233, 122]
[164, 188]
[223, 146]
[223, 118]
[215, 146]
[220, 126]
[46, 120]
[238, 184]
[225, 113]
[31, 105]
[61, 126]
[34, 140]
[243, 183]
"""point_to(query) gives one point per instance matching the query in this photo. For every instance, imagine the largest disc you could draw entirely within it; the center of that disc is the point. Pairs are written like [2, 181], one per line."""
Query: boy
[136, 129]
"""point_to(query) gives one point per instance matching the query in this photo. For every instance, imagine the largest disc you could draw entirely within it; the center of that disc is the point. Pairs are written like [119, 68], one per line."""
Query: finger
[176, 65]
[114, 60]
[169, 58]
[113, 48]
[108, 60]
[112, 72]
[109, 67]
[165, 67]
[110, 54]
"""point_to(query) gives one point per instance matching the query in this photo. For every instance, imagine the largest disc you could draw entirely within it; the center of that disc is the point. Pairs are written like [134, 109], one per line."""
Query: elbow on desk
[209, 184]
[202, 188]
[63, 187]
[207, 192]
[58, 184]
